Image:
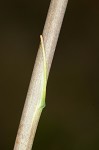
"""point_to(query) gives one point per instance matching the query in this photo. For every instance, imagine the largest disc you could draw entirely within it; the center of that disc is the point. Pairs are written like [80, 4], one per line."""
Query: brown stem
[30, 116]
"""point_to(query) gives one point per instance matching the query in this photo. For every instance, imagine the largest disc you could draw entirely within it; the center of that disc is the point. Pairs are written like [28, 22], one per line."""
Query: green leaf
[44, 73]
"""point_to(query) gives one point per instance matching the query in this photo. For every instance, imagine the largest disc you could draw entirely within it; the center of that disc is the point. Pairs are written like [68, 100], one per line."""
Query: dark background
[70, 120]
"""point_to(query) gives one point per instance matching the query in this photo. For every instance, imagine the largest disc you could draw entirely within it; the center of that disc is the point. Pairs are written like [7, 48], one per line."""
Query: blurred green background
[70, 120]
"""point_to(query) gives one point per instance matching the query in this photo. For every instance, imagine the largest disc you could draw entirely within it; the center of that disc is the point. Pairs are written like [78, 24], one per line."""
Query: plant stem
[31, 112]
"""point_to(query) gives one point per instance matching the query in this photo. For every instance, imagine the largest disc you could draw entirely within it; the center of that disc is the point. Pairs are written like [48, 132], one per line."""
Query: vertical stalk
[33, 106]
